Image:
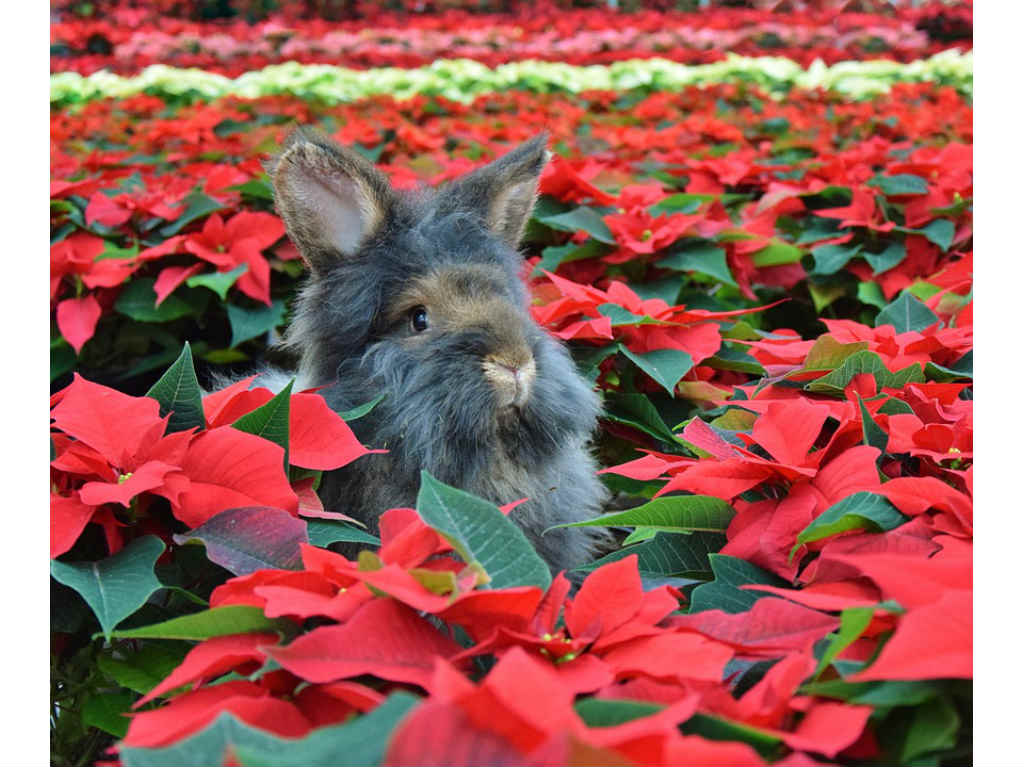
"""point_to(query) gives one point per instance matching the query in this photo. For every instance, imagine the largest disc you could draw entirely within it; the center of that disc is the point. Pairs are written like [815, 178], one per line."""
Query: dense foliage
[773, 294]
[717, 187]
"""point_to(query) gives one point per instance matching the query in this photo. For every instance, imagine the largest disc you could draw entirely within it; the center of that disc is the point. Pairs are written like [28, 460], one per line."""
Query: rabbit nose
[512, 380]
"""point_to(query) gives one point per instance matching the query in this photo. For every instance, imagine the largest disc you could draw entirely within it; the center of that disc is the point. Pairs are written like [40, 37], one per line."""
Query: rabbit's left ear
[505, 190]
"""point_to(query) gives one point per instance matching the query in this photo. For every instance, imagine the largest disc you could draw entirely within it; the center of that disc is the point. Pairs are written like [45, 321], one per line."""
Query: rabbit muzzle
[512, 379]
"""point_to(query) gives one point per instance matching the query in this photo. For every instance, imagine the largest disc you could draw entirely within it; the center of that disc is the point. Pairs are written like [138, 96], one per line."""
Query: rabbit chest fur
[417, 296]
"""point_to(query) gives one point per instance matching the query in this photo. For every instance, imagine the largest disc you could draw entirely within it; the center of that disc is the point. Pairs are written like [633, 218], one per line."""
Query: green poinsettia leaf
[906, 313]
[215, 622]
[860, 511]
[117, 586]
[724, 592]
[357, 742]
[666, 366]
[672, 514]
[179, 394]
[481, 535]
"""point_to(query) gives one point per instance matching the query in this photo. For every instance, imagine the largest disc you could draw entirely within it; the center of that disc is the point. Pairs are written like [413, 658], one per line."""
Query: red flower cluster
[615, 642]
[763, 206]
[133, 39]
[114, 451]
[889, 463]
[580, 312]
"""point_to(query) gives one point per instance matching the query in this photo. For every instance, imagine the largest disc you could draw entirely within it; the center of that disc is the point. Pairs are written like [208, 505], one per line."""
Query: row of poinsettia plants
[774, 298]
[164, 231]
[126, 40]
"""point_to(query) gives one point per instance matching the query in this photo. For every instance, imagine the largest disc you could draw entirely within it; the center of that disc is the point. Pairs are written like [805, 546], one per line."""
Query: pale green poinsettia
[463, 79]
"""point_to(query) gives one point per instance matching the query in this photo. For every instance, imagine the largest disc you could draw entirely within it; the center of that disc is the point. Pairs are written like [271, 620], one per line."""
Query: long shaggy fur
[440, 412]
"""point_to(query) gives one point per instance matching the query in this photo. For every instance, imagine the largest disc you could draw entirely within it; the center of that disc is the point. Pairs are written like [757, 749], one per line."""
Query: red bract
[68, 518]
[383, 638]
[239, 242]
[861, 212]
[170, 278]
[934, 641]
[192, 711]
[318, 438]
[78, 254]
[77, 318]
[227, 469]
[570, 181]
[212, 658]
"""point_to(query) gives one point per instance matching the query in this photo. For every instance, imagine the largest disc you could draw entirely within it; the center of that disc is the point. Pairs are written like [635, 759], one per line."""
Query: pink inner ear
[510, 210]
[340, 207]
[324, 207]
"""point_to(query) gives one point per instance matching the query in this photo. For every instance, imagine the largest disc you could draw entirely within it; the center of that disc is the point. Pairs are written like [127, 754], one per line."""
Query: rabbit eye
[418, 319]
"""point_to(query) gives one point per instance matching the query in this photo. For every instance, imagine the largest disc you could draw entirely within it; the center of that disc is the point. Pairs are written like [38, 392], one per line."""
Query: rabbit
[417, 296]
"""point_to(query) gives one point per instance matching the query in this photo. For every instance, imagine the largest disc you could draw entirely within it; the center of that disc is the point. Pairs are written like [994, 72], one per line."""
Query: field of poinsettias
[763, 265]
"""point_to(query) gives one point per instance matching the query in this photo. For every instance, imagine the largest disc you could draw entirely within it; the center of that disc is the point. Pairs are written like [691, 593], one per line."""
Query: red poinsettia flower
[861, 212]
[115, 210]
[119, 448]
[241, 240]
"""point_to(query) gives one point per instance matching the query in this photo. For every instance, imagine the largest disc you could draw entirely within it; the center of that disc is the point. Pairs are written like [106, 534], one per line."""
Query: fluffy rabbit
[418, 296]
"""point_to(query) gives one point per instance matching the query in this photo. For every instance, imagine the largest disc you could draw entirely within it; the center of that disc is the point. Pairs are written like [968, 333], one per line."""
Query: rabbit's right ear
[331, 198]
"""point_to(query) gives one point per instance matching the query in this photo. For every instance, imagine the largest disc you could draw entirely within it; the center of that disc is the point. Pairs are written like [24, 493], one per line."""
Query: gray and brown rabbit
[417, 296]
